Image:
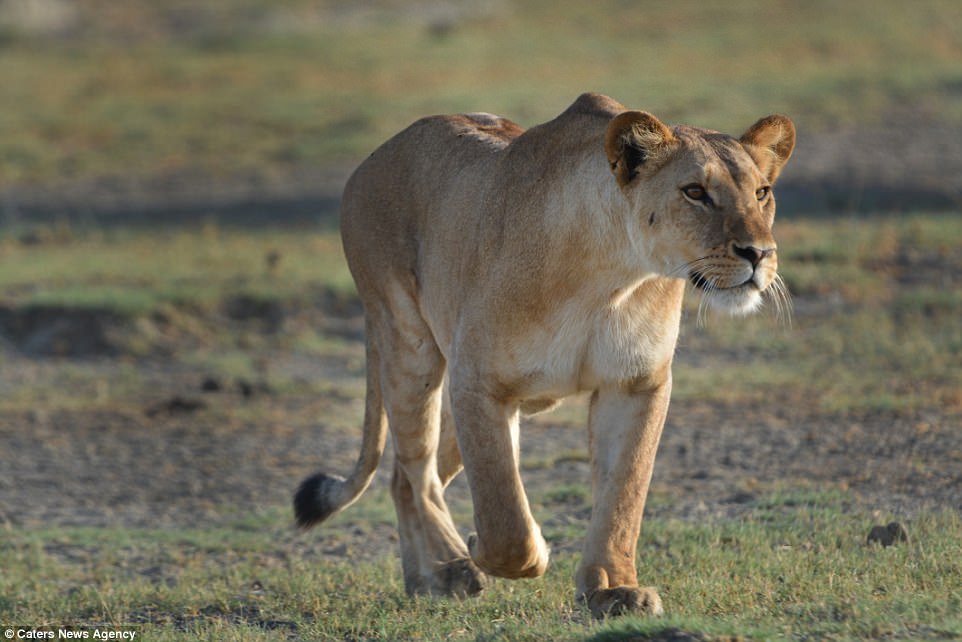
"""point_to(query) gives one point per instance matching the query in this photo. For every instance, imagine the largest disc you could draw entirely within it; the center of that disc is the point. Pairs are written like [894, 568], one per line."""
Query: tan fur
[503, 270]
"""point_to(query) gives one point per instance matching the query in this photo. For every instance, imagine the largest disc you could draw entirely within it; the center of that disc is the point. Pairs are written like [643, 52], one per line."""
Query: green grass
[797, 566]
[134, 272]
[259, 88]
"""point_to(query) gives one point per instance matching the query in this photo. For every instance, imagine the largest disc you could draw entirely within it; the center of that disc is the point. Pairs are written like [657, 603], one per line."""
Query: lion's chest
[580, 348]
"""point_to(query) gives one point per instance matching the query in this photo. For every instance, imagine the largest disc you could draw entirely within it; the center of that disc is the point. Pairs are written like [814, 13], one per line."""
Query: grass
[260, 88]
[135, 272]
[796, 566]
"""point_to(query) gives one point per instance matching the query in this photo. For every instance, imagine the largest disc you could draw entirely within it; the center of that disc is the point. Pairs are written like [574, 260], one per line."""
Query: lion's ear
[770, 142]
[635, 138]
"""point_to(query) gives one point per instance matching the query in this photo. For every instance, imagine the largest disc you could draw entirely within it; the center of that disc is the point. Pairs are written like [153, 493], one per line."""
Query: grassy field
[134, 272]
[797, 567]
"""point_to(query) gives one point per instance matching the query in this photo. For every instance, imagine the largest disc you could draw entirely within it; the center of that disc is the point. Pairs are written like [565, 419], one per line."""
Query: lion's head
[706, 202]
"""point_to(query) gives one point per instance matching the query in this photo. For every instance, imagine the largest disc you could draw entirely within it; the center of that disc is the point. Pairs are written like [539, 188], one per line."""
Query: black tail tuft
[312, 501]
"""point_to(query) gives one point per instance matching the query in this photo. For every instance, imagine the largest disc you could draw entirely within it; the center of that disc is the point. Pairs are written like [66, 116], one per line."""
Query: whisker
[683, 269]
[701, 269]
[707, 291]
[786, 297]
[782, 300]
[702, 273]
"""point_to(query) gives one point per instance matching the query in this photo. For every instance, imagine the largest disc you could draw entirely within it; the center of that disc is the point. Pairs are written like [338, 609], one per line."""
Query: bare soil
[201, 450]
[194, 450]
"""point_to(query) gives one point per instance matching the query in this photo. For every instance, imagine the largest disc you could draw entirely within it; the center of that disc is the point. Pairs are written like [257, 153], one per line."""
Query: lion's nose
[752, 254]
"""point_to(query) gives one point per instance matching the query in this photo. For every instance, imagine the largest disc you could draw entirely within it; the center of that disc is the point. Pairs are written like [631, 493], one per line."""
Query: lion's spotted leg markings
[624, 430]
[508, 542]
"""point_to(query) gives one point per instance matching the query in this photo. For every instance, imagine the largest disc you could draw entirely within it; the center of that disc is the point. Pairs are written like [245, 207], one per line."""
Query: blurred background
[227, 106]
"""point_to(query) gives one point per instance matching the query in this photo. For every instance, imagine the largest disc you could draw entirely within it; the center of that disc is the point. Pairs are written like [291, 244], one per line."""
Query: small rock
[271, 260]
[888, 535]
[245, 388]
[341, 550]
[211, 384]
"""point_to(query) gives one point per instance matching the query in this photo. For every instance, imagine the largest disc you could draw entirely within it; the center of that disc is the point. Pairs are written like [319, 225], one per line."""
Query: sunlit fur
[502, 270]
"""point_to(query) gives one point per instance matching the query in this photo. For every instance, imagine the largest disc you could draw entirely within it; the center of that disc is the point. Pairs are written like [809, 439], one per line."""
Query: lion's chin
[741, 300]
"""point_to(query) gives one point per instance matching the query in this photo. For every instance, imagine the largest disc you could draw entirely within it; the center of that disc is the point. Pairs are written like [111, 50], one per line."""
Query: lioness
[502, 270]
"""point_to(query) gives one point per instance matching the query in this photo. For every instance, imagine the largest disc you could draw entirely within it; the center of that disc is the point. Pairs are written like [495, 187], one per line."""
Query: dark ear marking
[633, 139]
[633, 156]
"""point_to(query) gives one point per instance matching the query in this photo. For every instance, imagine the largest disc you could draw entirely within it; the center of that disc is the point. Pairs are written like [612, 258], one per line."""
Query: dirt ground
[189, 455]
[186, 457]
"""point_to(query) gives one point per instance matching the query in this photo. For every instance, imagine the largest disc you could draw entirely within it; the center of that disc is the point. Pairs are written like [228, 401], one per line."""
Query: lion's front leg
[624, 426]
[508, 541]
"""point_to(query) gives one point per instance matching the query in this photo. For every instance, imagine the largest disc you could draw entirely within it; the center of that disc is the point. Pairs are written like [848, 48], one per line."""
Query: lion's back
[416, 184]
[425, 156]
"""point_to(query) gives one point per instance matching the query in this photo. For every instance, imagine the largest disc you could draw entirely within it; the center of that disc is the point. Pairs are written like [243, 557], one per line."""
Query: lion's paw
[458, 578]
[624, 600]
[530, 559]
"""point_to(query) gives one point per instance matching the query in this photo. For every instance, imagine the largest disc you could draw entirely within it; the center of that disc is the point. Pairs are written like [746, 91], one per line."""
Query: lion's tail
[321, 495]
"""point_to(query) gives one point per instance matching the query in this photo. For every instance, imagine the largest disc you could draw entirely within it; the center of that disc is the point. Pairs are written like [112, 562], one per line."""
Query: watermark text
[69, 633]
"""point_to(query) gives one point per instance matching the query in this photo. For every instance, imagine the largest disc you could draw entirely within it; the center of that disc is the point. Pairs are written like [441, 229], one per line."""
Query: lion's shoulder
[587, 115]
[481, 132]
[593, 104]
[485, 126]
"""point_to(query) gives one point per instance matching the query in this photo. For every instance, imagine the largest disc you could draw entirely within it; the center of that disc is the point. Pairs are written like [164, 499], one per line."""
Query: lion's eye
[762, 193]
[695, 192]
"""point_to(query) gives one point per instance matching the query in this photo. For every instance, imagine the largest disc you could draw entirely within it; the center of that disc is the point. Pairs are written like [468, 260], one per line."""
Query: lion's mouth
[702, 282]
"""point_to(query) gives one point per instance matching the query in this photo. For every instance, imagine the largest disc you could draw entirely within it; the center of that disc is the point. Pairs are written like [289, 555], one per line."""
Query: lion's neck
[594, 237]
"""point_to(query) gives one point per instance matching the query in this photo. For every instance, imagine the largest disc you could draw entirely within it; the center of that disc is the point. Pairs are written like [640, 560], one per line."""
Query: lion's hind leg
[434, 557]
[449, 455]
[422, 574]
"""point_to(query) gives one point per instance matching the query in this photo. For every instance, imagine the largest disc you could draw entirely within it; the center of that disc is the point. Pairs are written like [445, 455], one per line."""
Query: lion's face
[705, 200]
[719, 211]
